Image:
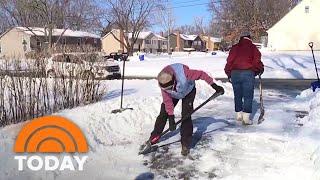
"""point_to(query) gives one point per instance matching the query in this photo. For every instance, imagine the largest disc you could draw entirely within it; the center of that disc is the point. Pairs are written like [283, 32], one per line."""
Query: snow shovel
[261, 116]
[124, 58]
[315, 84]
[147, 147]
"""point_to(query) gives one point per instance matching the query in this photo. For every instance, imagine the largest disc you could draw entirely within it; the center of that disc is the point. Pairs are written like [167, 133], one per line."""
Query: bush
[29, 93]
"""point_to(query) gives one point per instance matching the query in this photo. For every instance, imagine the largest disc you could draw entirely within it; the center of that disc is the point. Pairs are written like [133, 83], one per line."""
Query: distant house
[211, 43]
[146, 42]
[184, 42]
[149, 42]
[299, 27]
[19, 41]
[110, 44]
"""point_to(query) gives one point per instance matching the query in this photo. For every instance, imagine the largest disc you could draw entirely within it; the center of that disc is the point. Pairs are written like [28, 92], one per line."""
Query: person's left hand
[218, 89]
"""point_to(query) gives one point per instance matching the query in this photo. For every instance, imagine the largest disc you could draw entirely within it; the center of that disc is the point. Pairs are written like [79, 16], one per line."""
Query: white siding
[12, 43]
[297, 28]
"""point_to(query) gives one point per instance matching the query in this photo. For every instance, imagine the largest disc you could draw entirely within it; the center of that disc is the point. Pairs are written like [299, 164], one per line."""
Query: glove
[261, 72]
[229, 79]
[172, 123]
[218, 89]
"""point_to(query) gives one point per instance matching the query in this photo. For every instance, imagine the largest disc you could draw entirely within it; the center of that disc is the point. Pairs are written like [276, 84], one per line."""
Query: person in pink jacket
[177, 82]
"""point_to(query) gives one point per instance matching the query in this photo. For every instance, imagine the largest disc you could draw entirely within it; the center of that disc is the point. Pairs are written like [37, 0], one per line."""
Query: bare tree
[166, 19]
[233, 16]
[200, 25]
[86, 15]
[130, 17]
[187, 29]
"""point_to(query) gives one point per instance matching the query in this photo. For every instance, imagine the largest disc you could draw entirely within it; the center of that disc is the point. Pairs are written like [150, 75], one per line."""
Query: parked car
[117, 56]
[82, 65]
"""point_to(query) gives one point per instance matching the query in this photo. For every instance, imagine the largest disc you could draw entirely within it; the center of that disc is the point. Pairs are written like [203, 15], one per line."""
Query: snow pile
[310, 102]
[278, 65]
[277, 149]
[314, 113]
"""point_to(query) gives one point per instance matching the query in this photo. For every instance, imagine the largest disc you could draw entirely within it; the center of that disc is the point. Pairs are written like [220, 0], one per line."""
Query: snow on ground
[280, 65]
[285, 146]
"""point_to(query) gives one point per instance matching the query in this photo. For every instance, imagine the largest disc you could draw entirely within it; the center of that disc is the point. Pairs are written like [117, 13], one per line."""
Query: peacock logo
[50, 134]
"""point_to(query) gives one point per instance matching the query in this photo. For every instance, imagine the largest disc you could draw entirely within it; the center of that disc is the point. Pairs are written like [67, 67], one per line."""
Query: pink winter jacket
[190, 75]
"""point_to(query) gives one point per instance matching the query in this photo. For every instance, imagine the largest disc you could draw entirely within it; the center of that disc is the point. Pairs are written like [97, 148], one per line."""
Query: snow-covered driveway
[283, 147]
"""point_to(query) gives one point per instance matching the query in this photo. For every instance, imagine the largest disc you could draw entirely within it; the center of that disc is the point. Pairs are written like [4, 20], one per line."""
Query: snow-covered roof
[188, 37]
[212, 39]
[56, 32]
[142, 35]
[112, 31]
[160, 37]
[215, 39]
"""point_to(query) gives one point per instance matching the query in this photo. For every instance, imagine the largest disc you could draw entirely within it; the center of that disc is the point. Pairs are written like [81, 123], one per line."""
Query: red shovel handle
[311, 44]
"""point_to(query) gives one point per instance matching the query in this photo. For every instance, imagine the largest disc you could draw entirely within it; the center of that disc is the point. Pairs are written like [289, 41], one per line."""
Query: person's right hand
[261, 72]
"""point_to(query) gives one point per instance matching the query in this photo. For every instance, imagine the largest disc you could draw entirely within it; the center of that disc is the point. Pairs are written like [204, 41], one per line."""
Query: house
[110, 43]
[146, 42]
[149, 42]
[211, 43]
[19, 41]
[184, 42]
[296, 29]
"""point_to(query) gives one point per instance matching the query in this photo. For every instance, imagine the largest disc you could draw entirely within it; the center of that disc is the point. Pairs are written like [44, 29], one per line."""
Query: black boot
[185, 150]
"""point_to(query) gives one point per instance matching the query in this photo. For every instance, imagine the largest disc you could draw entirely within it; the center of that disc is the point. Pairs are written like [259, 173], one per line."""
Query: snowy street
[283, 147]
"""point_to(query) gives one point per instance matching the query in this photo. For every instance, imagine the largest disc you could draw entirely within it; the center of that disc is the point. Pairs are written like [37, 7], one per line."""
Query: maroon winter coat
[244, 56]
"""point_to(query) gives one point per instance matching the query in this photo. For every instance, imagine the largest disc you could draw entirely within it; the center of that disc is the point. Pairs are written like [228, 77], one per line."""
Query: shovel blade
[315, 85]
[147, 148]
[120, 110]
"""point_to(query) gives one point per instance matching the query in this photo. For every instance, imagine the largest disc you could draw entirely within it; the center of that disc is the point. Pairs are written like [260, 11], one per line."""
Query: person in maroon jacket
[243, 64]
[177, 82]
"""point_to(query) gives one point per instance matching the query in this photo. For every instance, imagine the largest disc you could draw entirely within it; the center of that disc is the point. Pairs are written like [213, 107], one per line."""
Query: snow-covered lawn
[279, 65]
[285, 146]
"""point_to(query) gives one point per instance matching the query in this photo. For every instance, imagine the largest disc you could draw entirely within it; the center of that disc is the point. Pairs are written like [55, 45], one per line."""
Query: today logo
[50, 134]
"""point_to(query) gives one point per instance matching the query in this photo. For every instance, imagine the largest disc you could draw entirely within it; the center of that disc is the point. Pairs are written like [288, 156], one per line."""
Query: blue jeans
[243, 88]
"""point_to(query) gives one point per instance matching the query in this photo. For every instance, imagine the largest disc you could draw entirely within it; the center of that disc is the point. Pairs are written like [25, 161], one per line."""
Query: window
[197, 43]
[38, 43]
[64, 41]
[307, 9]
[79, 41]
[24, 43]
[147, 41]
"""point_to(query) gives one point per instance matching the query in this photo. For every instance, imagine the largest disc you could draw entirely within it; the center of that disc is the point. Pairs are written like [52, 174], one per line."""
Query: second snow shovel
[315, 84]
[124, 58]
[148, 147]
[261, 116]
